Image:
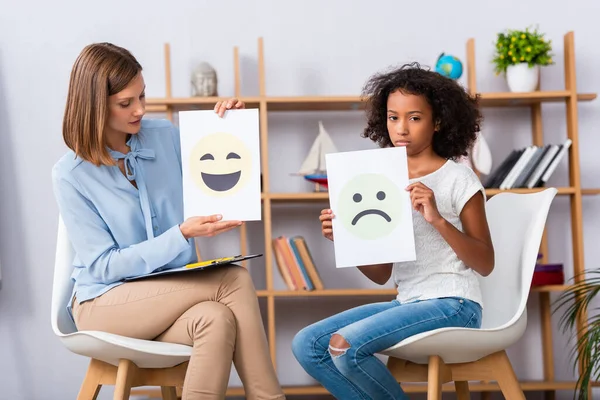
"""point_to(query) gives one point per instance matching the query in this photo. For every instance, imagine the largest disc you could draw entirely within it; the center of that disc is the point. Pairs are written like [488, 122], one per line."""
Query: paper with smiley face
[373, 217]
[221, 164]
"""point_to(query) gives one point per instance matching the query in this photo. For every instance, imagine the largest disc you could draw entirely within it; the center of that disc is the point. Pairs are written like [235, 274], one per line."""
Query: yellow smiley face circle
[220, 164]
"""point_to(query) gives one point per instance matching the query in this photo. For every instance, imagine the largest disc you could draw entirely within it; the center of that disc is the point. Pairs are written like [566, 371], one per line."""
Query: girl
[119, 191]
[437, 122]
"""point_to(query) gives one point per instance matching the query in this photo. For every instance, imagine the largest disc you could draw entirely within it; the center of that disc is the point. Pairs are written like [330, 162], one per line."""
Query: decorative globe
[449, 66]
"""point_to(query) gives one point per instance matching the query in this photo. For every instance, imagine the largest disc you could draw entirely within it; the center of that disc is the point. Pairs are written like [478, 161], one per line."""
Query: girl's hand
[326, 224]
[423, 201]
[206, 226]
[222, 106]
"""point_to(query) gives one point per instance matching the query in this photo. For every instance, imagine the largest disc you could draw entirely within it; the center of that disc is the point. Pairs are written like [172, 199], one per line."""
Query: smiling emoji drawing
[370, 206]
[220, 164]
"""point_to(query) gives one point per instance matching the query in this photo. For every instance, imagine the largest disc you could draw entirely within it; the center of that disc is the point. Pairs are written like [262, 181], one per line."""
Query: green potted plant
[575, 301]
[519, 55]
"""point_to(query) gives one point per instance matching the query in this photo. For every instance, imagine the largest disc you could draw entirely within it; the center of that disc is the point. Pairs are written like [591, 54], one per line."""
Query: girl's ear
[436, 126]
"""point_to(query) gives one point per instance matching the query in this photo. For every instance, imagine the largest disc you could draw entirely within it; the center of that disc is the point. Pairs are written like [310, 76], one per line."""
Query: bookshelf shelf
[334, 292]
[412, 388]
[533, 101]
[527, 386]
[349, 103]
[324, 196]
[590, 191]
[371, 292]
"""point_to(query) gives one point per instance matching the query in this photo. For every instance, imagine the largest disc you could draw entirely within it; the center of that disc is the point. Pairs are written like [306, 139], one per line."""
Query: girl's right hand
[206, 226]
[326, 224]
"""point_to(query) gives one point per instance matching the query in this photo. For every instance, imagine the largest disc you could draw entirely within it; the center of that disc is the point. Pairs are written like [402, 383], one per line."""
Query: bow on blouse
[134, 172]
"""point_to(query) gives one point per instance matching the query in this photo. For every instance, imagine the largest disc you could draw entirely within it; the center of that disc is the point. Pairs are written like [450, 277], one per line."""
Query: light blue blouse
[119, 231]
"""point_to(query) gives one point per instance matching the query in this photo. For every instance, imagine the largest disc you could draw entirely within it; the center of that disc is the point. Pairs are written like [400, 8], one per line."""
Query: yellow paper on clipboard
[212, 262]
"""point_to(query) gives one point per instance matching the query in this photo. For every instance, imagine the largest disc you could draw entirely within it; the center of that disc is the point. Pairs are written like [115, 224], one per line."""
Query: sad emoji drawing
[220, 164]
[370, 206]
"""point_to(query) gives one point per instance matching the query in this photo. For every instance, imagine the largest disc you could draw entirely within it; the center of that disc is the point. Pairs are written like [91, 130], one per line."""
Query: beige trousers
[215, 311]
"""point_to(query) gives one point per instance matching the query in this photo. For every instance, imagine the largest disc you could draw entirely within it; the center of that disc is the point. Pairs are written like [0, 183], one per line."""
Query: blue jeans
[356, 373]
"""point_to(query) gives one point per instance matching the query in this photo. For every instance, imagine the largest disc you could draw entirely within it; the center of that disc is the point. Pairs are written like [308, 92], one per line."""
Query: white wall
[311, 47]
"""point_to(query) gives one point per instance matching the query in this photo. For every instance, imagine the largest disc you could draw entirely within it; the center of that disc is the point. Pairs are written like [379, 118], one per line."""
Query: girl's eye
[124, 105]
[415, 118]
[392, 118]
[143, 96]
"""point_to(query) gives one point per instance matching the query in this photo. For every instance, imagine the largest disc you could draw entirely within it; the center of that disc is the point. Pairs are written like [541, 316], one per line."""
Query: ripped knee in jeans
[338, 345]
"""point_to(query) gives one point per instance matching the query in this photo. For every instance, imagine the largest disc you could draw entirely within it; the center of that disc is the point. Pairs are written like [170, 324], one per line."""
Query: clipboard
[196, 266]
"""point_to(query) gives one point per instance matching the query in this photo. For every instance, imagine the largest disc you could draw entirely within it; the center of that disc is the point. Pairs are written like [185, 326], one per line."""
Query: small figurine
[204, 81]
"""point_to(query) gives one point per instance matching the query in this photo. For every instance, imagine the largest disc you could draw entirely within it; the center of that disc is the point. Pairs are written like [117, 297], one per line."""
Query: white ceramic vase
[522, 78]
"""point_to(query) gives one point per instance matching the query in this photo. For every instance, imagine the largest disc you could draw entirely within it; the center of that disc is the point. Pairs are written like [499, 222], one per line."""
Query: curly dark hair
[454, 110]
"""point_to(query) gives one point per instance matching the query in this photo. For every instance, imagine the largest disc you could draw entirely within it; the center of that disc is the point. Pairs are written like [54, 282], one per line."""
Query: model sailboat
[313, 168]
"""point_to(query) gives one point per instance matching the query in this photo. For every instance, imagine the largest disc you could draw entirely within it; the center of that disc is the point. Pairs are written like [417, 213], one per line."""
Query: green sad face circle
[370, 206]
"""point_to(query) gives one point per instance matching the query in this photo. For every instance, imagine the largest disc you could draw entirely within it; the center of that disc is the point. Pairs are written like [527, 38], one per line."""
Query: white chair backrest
[63, 285]
[516, 223]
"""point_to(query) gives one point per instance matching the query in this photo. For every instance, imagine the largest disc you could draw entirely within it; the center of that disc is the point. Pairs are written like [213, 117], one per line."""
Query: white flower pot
[522, 78]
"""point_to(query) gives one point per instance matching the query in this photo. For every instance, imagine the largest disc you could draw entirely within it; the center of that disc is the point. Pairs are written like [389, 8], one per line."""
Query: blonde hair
[101, 70]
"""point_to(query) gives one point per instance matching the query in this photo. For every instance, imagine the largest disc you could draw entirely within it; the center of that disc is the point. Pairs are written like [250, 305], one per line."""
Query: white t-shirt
[437, 271]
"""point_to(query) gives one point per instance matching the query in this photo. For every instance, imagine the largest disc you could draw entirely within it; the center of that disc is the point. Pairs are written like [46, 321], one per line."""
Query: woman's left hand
[423, 201]
[225, 105]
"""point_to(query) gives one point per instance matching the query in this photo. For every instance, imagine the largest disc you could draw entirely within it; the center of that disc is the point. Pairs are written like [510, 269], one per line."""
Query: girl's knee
[302, 342]
[338, 345]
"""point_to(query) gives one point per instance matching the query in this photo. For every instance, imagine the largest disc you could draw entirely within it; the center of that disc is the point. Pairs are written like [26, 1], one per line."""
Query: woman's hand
[326, 224]
[423, 201]
[206, 226]
[223, 106]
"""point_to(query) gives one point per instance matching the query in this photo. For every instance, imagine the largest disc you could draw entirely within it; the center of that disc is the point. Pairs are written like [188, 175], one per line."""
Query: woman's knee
[240, 275]
[213, 316]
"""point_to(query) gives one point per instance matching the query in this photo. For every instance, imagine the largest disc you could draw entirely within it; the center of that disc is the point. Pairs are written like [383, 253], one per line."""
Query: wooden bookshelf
[533, 100]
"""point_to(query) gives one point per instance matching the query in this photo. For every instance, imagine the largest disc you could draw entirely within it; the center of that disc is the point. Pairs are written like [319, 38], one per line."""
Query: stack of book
[548, 274]
[528, 167]
[296, 264]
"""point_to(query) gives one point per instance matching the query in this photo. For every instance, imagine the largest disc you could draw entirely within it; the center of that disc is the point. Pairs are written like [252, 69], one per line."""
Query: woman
[119, 191]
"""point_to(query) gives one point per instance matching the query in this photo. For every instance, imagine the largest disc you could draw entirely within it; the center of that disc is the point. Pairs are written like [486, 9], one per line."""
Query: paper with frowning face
[372, 212]
[221, 164]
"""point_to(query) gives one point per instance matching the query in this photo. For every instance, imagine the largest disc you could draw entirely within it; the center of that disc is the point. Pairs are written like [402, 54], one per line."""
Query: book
[528, 167]
[295, 263]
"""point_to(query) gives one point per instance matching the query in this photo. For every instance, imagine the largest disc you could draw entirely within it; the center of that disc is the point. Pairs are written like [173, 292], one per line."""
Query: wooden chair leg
[506, 377]
[125, 376]
[434, 378]
[462, 390]
[168, 392]
[90, 387]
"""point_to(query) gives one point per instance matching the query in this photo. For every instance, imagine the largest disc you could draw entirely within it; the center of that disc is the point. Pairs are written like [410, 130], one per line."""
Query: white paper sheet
[372, 213]
[221, 164]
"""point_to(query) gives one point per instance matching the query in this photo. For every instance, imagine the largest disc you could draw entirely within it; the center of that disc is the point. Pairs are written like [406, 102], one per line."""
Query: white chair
[517, 223]
[115, 360]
